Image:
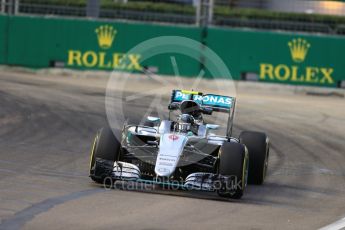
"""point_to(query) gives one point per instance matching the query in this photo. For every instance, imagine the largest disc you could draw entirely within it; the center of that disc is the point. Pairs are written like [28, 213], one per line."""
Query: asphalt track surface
[47, 124]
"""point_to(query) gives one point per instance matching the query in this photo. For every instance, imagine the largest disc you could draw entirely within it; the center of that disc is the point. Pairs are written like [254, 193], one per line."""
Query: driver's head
[186, 118]
[190, 107]
[185, 122]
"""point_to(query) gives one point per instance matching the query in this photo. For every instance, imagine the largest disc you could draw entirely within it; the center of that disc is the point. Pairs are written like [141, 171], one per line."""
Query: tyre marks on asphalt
[20, 218]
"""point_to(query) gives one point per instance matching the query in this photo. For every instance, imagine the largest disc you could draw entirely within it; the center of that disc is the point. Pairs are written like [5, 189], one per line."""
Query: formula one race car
[184, 149]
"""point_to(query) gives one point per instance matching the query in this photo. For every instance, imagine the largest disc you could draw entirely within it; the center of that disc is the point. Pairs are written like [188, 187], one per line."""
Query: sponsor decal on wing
[208, 99]
[217, 101]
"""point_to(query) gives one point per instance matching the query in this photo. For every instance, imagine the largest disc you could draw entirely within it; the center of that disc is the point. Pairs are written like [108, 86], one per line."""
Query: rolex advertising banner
[88, 44]
[281, 57]
[84, 44]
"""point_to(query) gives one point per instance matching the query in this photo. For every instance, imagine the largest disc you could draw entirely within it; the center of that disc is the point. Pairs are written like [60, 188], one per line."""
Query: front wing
[123, 171]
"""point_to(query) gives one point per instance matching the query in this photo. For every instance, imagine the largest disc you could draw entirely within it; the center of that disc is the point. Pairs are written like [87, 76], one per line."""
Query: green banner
[3, 39]
[84, 44]
[38, 42]
[281, 57]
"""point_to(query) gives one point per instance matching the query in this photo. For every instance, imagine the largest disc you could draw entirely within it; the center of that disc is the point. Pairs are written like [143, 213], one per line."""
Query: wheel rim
[245, 171]
[93, 151]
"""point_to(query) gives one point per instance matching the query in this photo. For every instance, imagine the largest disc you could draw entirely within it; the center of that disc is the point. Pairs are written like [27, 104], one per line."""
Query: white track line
[340, 224]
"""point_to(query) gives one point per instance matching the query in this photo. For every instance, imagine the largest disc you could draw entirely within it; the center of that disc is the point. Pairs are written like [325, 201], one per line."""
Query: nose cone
[163, 171]
[170, 149]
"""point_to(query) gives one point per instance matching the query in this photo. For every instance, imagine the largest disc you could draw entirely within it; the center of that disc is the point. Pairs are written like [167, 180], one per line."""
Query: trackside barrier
[39, 42]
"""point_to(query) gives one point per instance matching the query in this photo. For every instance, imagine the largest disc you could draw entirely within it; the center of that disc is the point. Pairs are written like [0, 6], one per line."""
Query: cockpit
[190, 118]
[184, 123]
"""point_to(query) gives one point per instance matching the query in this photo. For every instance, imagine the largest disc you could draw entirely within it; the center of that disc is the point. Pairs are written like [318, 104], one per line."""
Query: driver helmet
[185, 122]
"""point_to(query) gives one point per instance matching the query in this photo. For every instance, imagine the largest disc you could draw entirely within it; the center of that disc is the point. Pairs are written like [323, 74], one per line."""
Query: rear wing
[218, 103]
[208, 103]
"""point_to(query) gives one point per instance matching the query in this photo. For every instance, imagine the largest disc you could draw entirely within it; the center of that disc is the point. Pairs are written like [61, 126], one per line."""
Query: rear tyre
[106, 147]
[233, 162]
[257, 144]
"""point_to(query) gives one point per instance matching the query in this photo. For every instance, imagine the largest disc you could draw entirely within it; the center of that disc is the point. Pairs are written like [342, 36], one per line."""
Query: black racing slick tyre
[233, 163]
[257, 144]
[105, 146]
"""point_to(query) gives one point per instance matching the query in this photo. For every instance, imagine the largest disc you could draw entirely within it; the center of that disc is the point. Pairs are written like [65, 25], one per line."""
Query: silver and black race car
[184, 150]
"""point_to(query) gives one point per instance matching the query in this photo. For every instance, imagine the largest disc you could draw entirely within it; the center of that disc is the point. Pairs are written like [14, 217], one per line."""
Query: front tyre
[233, 163]
[105, 146]
[257, 144]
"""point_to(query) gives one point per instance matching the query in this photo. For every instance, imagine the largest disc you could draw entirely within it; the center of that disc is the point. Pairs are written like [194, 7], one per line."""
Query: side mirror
[173, 106]
[212, 126]
[153, 119]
